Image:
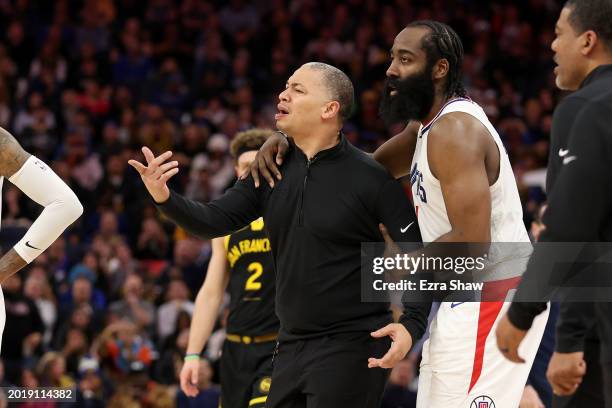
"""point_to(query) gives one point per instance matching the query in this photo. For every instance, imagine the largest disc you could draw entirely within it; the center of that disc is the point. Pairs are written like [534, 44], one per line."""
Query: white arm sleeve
[62, 207]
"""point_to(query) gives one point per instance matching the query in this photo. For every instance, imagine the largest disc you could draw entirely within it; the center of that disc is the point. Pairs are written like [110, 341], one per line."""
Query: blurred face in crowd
[244, 161]
[409, 88]
[81, 291]
[32, 288]
[58, 368]
[133, 285]
[305, 103]
[108, 223]
[81, 317]
[28, 379]
[569, 47]
[177, 290]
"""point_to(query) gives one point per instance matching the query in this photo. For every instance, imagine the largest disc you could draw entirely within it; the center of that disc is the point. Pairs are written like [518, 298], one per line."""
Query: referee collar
[601, 71]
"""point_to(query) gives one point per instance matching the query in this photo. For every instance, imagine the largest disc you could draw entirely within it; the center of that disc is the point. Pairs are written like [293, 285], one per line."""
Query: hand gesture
[156, 173]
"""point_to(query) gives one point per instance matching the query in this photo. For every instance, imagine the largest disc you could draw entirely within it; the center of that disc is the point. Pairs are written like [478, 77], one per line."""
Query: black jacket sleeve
[239, 206]
[398, 216]
[578, 205]
[575, 320]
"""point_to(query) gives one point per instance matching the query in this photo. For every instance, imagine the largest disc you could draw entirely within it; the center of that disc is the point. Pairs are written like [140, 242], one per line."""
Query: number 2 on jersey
[256, 270]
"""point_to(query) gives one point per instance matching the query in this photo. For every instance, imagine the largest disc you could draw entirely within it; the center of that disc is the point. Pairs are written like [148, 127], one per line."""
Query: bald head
[338, 85]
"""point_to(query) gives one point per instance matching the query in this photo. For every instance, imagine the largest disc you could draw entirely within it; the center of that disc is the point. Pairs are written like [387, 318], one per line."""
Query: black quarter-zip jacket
[579, 186]
[316, 217]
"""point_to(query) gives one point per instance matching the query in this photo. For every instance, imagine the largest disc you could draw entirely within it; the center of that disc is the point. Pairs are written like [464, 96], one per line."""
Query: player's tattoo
[10, 264]
[12, 155]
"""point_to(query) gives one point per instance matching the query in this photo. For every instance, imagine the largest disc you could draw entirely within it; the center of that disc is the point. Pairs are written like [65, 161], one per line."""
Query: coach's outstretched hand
[156, 173]
[269, 156]
[401, 344]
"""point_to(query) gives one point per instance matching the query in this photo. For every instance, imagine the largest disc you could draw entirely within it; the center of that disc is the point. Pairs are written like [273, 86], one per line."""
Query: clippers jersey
[506, 210]
[252, 281]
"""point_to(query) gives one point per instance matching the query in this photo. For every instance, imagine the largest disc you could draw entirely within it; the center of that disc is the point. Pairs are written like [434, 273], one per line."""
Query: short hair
[338, 85]
[442, 42]
[593, 15]
[248, 140]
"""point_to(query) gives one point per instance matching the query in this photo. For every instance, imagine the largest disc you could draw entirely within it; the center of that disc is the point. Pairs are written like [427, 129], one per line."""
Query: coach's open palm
[400, 346]
[156, 173]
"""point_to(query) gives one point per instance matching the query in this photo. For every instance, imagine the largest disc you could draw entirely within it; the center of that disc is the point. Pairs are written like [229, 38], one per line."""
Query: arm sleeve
[239, 206]
[62, 207]
[397, 214]
[578, 205]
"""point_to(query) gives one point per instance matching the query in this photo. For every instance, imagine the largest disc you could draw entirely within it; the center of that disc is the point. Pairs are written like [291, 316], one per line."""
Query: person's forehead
[305, 76]
[563, 20]
[410, 39]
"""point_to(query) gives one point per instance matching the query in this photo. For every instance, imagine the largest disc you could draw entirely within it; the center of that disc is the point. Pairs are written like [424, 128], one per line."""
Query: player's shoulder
[458, 131]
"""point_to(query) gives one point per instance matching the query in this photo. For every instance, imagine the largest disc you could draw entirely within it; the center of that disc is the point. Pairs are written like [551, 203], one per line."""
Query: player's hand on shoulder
[269, 157]
[401, 344]
[189, 377]
[156, 173]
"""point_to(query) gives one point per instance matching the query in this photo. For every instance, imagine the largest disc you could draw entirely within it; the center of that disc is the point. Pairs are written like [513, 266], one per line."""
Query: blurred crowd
[84, 84]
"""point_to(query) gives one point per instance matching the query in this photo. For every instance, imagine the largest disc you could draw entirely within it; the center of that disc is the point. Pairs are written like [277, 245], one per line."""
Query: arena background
[84, 84]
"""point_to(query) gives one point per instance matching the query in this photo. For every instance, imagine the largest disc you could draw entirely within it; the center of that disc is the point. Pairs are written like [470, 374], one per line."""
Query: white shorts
[462, 366]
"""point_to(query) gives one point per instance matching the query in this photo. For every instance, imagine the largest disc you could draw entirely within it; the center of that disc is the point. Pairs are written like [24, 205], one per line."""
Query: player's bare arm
[12, 155]
[205, 312]
[465, 159]
[396, 153]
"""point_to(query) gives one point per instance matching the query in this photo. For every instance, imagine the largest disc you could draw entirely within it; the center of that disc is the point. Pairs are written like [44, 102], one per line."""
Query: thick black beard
[412, 101]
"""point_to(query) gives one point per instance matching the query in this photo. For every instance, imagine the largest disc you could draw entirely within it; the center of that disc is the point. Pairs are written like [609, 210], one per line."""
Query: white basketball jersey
[506, 210]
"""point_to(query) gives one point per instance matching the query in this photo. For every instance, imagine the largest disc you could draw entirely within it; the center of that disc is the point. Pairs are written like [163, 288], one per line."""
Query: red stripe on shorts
[488, 313]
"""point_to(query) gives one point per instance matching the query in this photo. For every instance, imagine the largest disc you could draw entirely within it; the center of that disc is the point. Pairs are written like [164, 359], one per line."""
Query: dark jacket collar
[327, 154]
[601, 71]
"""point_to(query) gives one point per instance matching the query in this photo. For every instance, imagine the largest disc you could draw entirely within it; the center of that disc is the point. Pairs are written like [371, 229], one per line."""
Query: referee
[332, 197]
[579, 183]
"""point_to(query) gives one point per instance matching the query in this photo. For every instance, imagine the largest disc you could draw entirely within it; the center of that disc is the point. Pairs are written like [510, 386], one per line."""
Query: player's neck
[439, 101]
[315, 142]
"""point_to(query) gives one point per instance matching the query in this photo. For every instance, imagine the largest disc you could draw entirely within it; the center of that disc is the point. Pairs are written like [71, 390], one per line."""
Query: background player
[242, 260]
[41, 184]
